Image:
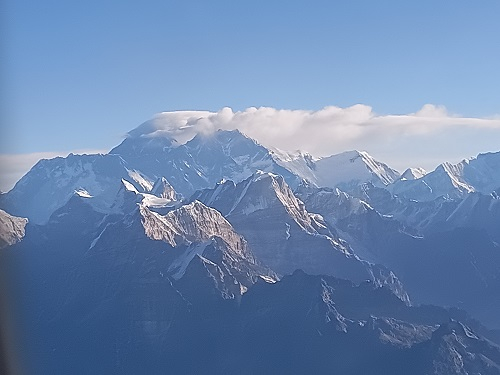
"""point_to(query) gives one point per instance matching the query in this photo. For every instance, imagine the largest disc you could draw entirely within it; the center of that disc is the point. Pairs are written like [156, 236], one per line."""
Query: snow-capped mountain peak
[12, 229]
[298, 162]
[413, 174]
[452, 180]
[455, 172]
[351, 168]
[190, 223]
[261, 191]
[132, 146]
[163, 189]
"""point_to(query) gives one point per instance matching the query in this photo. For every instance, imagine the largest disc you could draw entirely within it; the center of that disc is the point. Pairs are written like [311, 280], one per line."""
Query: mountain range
[220, 255]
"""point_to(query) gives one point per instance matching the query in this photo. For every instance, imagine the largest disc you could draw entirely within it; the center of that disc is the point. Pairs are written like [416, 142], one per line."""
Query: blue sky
[79, 75]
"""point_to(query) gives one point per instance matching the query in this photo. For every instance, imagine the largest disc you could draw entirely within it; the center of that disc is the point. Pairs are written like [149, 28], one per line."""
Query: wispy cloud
[423, 137]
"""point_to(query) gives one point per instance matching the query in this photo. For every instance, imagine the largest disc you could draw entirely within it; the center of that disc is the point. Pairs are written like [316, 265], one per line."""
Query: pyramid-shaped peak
[413, 174]
[350, 168]
[163, 189]
[144, 145]
[235, 132]
[176, 124]
[222, 136]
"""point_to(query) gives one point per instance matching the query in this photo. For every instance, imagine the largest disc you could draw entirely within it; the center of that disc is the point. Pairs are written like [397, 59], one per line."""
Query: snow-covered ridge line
[190, 223]
[478, 174]
[209, 158]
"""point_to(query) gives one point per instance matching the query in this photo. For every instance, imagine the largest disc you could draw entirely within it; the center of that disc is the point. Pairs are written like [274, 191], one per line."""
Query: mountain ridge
[209, 158]
[222, 247]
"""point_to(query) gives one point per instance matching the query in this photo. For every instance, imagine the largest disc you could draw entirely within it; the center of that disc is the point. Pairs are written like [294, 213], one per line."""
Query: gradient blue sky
[80, 74]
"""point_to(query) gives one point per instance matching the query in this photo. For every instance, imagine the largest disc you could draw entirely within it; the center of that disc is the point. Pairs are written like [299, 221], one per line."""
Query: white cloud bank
[424, 138]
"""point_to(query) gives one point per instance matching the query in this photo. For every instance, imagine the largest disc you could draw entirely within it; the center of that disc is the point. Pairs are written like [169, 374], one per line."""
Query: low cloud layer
[424, 138]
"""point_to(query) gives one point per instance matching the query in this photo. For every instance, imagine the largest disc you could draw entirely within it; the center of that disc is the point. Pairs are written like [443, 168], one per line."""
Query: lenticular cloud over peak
[268, 125]
[178, 125]
[331, 129]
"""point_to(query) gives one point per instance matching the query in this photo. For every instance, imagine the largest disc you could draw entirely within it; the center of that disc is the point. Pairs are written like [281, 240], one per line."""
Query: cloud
[422, 136]
[14, 166]
[432, 111]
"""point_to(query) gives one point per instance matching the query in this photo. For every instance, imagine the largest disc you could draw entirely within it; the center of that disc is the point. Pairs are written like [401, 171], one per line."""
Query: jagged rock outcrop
[12, 229]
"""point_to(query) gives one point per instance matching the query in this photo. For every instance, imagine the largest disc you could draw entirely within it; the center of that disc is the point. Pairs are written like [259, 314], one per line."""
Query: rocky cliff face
[12, 229]
[284, 235]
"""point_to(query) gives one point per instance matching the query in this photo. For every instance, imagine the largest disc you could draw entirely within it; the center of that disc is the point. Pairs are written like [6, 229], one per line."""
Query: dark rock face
[127, 317]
